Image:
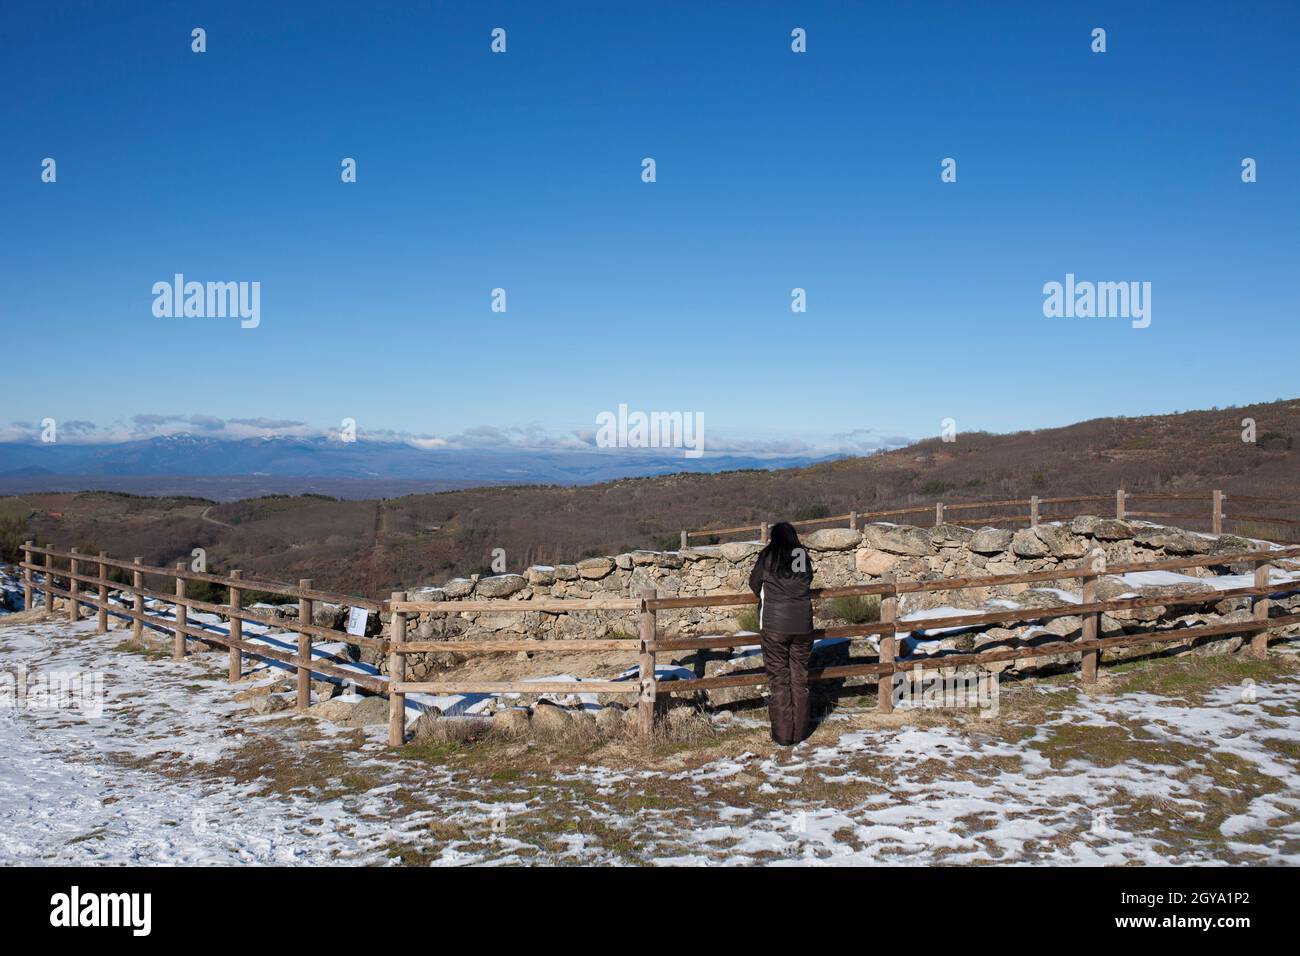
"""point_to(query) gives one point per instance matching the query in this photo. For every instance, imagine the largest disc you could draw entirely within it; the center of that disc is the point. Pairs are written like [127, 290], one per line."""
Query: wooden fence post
[763, 532]
[304, 646]
[74, 587]
[888, 646]
[236, 627]
[101, 624]
[27, 576]
[182, 615]
[1033, 511]
[1096, 565]
[684, 544]
[137, 582]
[853, 520]
[938, 513]
[397, 674]
[1119, 504]
[1261, 605]
[649, 688]
[49, 582]
[1216, 521]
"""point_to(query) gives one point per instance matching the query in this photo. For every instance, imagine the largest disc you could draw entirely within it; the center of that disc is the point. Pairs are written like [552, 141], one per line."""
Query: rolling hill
[371, 546]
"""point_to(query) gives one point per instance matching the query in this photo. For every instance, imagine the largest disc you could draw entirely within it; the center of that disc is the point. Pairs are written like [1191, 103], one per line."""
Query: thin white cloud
[516, 438]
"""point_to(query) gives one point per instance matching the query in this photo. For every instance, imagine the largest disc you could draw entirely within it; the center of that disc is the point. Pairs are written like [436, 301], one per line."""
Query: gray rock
[1233, 544]
[501, 585]
[1084, 524]
[324, 689]
[540, 575]
[286, 612]
[1060, 541]
[832, 539]
[368, 712]
[1112, 529]
[1217, 646]
[566, 572]
[990, 540]
[897, 539]
[458, 587]
[702, 552]
[550, 717]
[513, 722]
[269, 704]
[874, 563]
[1063, 626]
[1041, 597]
[737, 551]
[1172, 540]
[948, 535]
[264, 690]
[1110, 587]
[324, 614]
[593, 569]
[1177, 588]
[346, 711]
[1026, 544]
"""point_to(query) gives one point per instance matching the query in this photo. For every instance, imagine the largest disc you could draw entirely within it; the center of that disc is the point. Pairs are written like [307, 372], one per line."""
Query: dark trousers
[785, 657]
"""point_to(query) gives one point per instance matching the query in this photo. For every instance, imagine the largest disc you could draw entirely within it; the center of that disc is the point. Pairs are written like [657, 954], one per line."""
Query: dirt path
[205, 517]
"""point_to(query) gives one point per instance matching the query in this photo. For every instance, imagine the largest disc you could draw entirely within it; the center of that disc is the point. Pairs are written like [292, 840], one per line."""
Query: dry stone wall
[842, 556]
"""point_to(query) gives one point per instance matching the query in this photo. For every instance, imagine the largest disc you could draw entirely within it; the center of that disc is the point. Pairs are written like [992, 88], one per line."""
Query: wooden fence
[649, 644]
[236, 585]
[1212, 512]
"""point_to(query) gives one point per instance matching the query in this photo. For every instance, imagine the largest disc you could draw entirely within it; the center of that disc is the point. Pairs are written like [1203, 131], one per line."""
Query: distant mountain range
[37, 467]
[400, 538]
[385, 534]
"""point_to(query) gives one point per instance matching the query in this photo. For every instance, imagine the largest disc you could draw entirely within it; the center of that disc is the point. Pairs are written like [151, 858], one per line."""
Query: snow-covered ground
[174, 771]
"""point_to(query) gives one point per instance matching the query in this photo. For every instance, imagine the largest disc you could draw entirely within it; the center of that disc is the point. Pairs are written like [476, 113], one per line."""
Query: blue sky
[522, 171]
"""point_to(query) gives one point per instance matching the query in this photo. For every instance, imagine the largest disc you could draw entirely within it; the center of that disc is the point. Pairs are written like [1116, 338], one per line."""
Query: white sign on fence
[357, 618]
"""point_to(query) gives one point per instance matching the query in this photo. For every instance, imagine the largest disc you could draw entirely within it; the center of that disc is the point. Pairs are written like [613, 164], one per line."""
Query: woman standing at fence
[781, 578]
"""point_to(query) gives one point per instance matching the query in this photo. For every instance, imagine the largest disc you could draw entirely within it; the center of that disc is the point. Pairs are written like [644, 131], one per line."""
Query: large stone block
[458, 587]
[832, 539]
[1061, 541]
[540, 575]
[949, 535]
[737, 551]
[1172, 540]
[593, 569]
[990, 540]
[501, 585]
[1026, 544]
[897, 539]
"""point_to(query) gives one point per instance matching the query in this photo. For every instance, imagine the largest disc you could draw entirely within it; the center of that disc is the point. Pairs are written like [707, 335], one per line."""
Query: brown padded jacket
[784, 605]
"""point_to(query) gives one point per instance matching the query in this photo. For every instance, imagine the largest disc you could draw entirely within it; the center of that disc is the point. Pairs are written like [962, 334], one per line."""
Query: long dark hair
[778, 557]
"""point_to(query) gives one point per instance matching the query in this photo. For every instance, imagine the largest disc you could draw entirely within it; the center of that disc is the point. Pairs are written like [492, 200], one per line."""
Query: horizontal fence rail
[236, 584]
[93, 590]
[650, 645]
[1212, 503]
